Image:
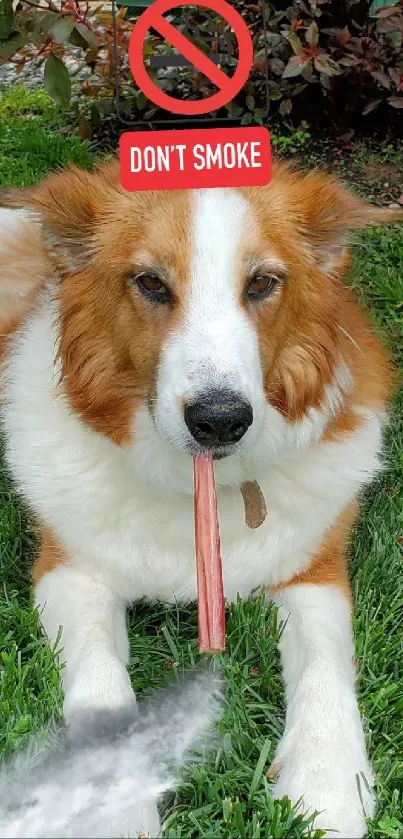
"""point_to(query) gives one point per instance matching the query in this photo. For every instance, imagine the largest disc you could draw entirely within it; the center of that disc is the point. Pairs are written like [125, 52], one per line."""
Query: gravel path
[32, 74]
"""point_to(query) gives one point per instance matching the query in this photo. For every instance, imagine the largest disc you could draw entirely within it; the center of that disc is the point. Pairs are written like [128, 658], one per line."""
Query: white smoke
[103, 779]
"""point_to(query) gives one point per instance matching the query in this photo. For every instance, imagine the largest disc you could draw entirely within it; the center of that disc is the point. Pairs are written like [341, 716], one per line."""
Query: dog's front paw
[99, 686]
[326, 778]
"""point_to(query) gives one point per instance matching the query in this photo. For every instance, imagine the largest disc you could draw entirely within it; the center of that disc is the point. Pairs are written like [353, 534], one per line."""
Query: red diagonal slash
[228, 86]
[192, 53]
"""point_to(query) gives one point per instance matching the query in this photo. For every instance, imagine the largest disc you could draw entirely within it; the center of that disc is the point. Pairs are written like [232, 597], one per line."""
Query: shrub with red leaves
[333, 59]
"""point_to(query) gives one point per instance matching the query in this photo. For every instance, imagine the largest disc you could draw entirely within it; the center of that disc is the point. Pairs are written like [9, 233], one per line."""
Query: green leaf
[234, 110]
[396, 38]
[62, 29]
[42, 23]
[285, 107]
[326, 66]
[275, 92]
[371, 106]
[77, 40]
[258, 117]
[9, 47]
[298, 88]
[257, 775]
[295, 42]
[312, 34]
[57, 80]
[6, 19]
[141, 101]
[276, 65]
[87, 35]
[349, 61]
[377, 5]
[295, 66]
[95, 116]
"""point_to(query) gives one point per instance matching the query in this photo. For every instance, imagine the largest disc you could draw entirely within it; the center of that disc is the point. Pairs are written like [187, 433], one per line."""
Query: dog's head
[214, 312]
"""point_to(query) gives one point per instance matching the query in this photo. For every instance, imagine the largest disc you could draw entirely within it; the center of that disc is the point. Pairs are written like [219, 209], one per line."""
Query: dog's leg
[93, 640]
[86, 612]
[322, 757]
[90, 620]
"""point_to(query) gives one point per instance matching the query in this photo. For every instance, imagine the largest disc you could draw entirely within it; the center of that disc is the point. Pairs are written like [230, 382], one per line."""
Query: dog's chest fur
[130, 511]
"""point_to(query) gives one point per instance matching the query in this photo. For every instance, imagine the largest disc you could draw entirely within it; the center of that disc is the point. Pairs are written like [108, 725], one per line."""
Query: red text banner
[195, 158]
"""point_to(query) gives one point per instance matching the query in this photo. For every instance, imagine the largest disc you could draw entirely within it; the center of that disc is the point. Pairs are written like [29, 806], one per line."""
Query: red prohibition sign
[228, 86]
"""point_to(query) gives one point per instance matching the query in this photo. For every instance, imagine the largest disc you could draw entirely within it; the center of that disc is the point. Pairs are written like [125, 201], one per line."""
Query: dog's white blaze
[215, 345]
[220, 343]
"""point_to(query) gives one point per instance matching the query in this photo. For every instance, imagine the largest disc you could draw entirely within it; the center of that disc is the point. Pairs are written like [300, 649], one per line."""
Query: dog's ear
[331, 214]
[67, 205]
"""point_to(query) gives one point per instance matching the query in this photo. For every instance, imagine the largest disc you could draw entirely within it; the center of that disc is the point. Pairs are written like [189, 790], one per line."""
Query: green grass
[32, 139]
[227, 796]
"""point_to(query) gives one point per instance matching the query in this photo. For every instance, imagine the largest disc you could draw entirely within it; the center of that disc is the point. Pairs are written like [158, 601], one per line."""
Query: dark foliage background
[334, 65]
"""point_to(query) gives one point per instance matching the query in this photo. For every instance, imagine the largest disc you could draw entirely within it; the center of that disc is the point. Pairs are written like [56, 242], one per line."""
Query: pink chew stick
[210, 590]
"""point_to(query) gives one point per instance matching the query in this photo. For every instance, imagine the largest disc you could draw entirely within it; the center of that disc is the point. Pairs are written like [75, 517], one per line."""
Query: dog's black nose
[218, 418]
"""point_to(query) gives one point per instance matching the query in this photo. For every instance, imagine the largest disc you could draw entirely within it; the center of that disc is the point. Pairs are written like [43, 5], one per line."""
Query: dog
[162, 324]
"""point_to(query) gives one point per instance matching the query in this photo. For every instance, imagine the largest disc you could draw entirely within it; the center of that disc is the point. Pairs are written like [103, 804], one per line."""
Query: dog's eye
[260, 286]
[152, 287]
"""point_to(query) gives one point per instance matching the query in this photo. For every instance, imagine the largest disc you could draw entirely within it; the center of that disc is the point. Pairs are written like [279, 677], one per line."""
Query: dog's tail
[104, 779]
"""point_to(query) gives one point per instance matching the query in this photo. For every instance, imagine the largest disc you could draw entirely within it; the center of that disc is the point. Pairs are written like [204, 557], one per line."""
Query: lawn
[228, 795]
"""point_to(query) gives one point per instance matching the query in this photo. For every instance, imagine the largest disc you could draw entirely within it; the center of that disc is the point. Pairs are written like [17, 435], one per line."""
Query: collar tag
[255, 505]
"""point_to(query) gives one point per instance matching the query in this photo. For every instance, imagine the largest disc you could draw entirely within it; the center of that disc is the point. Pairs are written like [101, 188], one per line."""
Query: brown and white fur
[96, 379]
